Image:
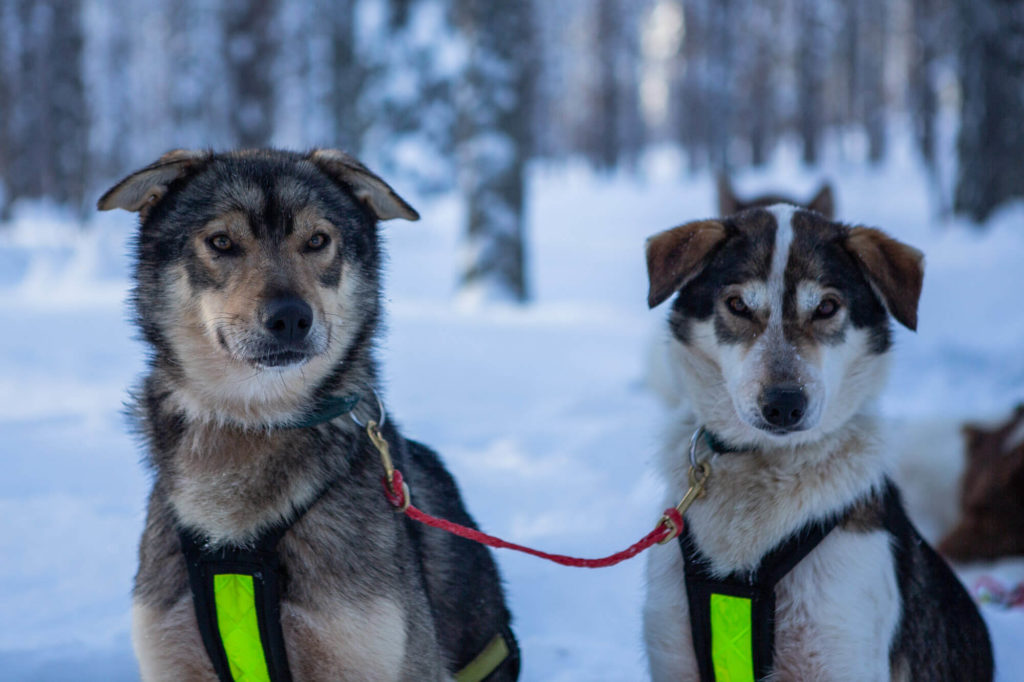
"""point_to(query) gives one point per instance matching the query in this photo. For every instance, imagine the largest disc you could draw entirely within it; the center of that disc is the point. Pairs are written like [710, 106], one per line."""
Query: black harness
[236, 592]
[718, 605]
[255, 565]
[757, 586]
[260, 562]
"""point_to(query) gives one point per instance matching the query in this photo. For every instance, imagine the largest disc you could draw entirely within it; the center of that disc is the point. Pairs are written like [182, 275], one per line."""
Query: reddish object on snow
[992, 493]
[661, 533]
[988, 590]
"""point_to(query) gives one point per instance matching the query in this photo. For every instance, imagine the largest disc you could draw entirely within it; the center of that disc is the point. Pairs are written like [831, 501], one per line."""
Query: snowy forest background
[464, 94]
[542, 141]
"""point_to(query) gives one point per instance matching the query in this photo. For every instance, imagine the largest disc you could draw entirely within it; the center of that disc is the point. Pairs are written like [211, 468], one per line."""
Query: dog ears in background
[364, 184]
[894, 270]
[823, 202]
[728, 203]
[141, 190]
[991, 493]
[676, 256]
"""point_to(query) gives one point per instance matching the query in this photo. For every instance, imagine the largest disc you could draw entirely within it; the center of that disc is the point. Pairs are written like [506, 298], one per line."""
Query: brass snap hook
[698, 475]
[379, 442]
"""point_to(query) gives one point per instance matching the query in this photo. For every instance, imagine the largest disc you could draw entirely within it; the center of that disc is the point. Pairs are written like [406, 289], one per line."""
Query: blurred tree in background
[492, 140]
[463, 94]
[991, 143]
[46, 121]
[251, 42]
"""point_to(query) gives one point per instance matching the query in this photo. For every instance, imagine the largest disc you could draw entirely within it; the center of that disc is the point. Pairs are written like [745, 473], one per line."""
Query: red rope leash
[668, 527]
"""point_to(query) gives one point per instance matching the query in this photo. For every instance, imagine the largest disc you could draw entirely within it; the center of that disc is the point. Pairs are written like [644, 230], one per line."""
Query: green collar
[331, 407]
[717, 446]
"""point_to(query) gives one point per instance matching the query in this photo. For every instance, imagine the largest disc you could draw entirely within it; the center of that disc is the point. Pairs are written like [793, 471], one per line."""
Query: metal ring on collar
[694, 439]
[380, 406]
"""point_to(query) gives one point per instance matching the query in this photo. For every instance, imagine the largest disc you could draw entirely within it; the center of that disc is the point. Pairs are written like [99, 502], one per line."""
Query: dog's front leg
[167, 644]
[838, 610]
[667, 617]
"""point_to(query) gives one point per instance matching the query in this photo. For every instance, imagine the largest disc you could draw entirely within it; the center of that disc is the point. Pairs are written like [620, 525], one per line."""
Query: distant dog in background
[823, 200]
[992, 493]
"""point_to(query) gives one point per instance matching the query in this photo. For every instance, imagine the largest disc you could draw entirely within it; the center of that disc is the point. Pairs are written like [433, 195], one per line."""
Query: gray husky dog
[258, 292]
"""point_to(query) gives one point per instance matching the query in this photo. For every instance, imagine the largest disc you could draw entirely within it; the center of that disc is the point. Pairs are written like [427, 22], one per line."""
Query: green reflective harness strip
[237, 632]
[486, 662]
[732, 646]
[235, 599]
[238, 627]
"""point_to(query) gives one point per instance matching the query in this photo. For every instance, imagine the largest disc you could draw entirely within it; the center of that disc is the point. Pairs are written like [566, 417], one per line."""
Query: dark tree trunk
[614, 126]
[689, 108]
[757, 60]
[849, 111]
[632, 131]
[811, 61]
[929, 25]
[69, 139]
[492, 140]
[114, 155]
[924, 100]
[552, 132]
[603, 146]
[991, 142]
[29, 123]
[8, 27]
[348, 76]
[873, 42]
[760, 115]
[198, 102]
[48, 128]
[250, 49]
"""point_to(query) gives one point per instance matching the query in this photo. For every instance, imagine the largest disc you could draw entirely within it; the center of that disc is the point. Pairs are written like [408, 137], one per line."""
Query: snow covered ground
[541, 412]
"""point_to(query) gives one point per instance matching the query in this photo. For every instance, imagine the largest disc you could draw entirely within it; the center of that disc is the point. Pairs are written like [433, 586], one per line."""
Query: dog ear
[823, 202]
[676, 256]
[365, 185]
[727, 201]
[141, 190]
[895, 271]
[972, 435]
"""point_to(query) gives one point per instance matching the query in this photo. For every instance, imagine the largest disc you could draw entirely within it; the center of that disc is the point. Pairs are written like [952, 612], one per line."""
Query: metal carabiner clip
[380, 407]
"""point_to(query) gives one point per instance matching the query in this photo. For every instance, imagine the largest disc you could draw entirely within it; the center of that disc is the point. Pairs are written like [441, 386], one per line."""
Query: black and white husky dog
[779, 335]
[258, 292]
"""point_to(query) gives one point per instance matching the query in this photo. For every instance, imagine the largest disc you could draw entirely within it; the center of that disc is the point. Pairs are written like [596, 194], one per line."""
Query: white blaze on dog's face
[782, 318]
[257, 271]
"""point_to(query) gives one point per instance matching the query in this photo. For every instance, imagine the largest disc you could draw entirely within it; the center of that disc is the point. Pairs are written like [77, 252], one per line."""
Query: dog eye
[737, 306]
[317, 241]
[826, 309]
[221, 243]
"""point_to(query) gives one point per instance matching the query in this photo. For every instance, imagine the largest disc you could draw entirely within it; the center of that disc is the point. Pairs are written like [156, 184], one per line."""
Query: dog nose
[783, 406]
[288, 318]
